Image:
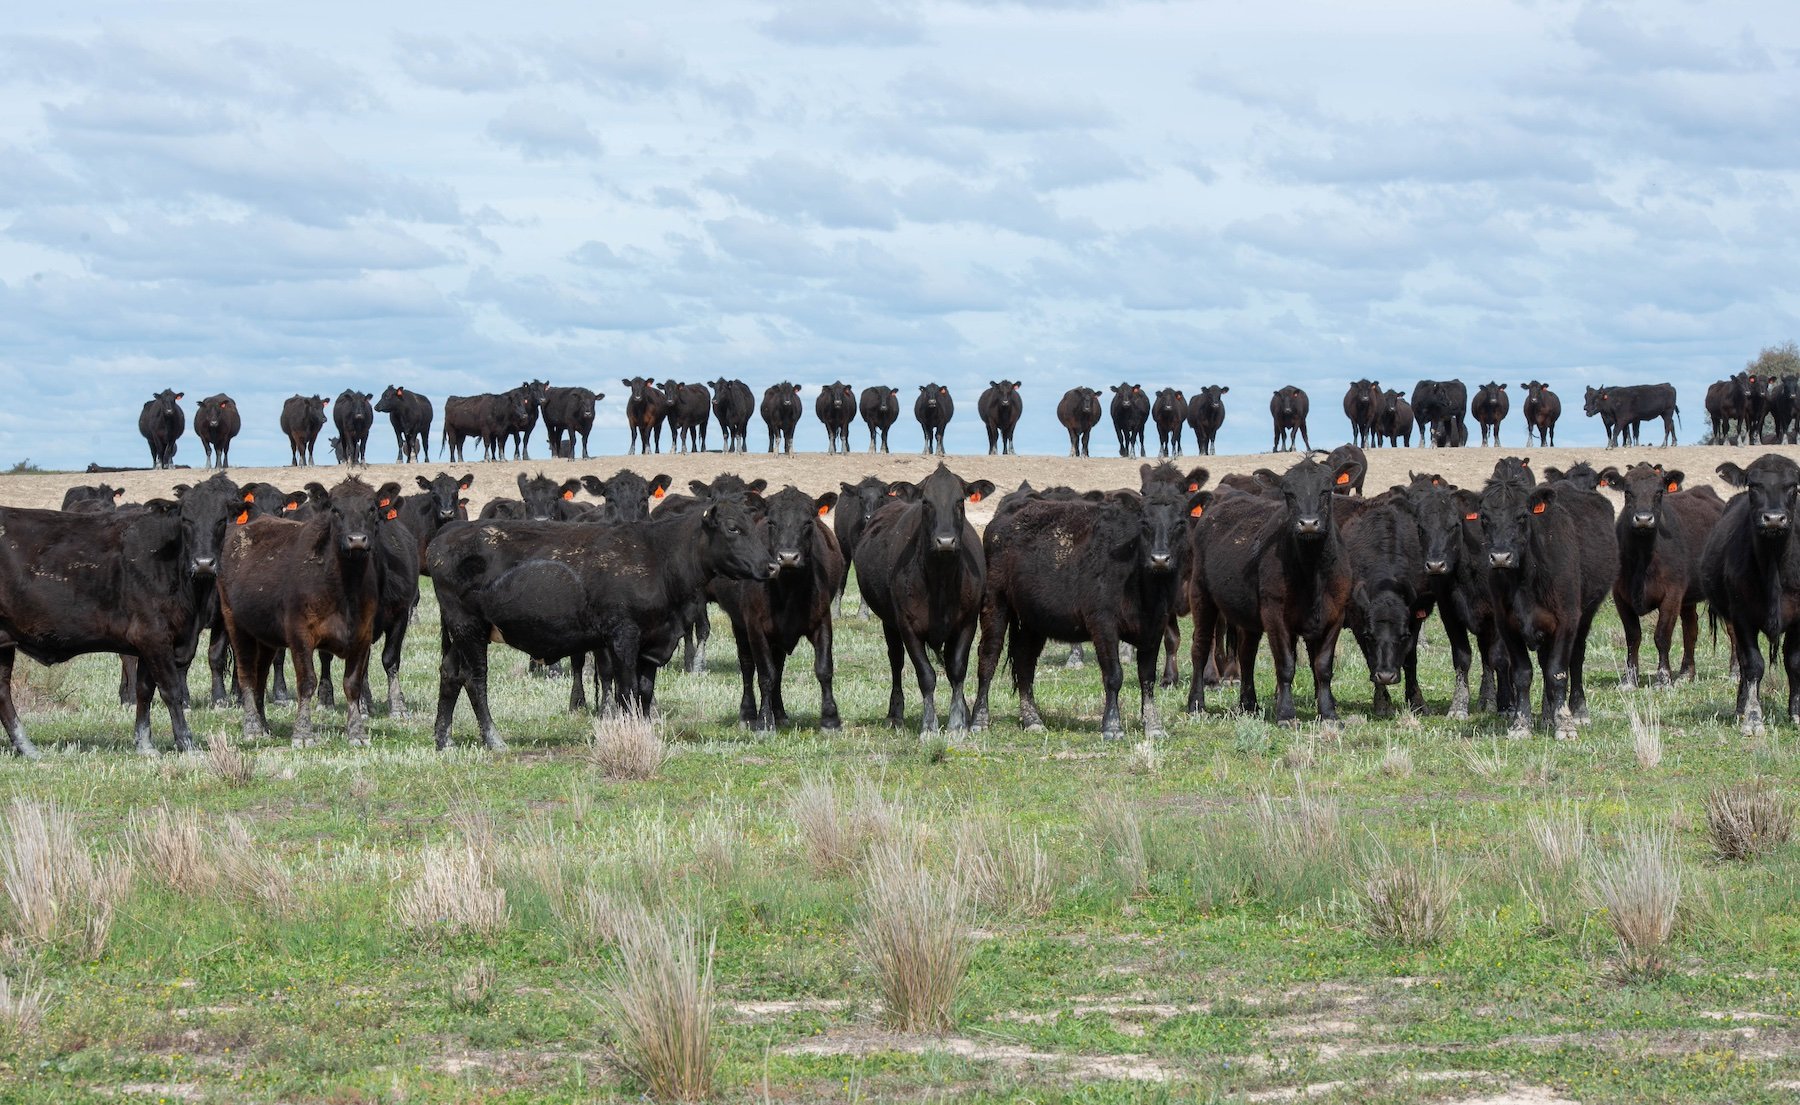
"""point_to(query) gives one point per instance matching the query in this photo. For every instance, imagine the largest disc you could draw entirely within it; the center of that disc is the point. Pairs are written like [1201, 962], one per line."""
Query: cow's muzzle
[1503, 559]
[1643, 520]
[1774, 521]
[1437, 567]
[203, 567]
[356, 542]
[788, 558]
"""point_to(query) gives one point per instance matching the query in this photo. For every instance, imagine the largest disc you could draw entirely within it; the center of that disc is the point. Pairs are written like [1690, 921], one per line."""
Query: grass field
[1191, 921]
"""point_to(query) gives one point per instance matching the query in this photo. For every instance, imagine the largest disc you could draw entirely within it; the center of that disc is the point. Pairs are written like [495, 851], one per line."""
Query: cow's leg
[1634, 639]
[282, 694]
[1790, 655]
[128, 666]
[1249, 640]
[1171, 643]
[1147, 672]
[306, 690]
[1666, 619]
[218, 660]
[896, 715]
[1027, 649]
[1284, 651]
[578, 679]
[145, 691]
[9, 713]
[927, 677]
[768, 680]
[1321, 651]
[1112, 678]
[1518, 667]
[746, 674]
[777, 672]
[1575, 659]
[253, 663]
[825, 669]
[1205, 627]
[956, 668]
[699, 633]
[1415, 698]
[1690, 633]
[987, 660]
[1458, 635]
[327, 692]
[356, 689]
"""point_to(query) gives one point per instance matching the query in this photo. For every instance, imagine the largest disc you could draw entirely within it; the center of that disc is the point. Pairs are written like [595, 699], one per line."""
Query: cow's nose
[1437, 567]
[204, 566]
[1774, 519]
[944, 543]
[1308, 527]
[1386, 678]
[356, 542]
[1501, 559]
[788, 558]
[1644, 520]
[1161, 561]
[447, 515]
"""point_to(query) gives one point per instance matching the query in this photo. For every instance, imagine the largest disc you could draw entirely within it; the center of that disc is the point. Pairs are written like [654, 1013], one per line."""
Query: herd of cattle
[1521, 565]
[1765, 409]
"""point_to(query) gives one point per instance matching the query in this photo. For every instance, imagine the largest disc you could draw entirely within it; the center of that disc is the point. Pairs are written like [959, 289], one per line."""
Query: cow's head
[1591, 400]
[1772, 484]
[736, 539]
[1515, 469]
[793, 517]
[627, 494]
[1006, 395]
[1308, 489]
[1440, 512]
[863, 498]
[445, 493]
[390, 399]
[932, 395]
[1387, 619]
[1166, 473]
[163, 403]
[839, 398]
[536, 392]
[352, 513]
[541, 494]
[206, 510]
[942, 498]
[1162, 513]
[1365, 395]
[1509, 512]
[1643, 486]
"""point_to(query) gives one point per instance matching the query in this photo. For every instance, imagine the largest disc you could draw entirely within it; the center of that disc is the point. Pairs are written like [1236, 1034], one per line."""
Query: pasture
[1410, 910]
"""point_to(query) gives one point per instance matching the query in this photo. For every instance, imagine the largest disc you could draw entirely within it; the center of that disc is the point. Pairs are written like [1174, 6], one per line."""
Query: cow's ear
[627, 383]
[921, 389]
[424, 484]
[1502, 387]
[162, 506]
[1268, 477]
[117, 492]
[978, 490]
[293, 501]
[700, 490]
[1610, 476]
[180, 489]
[1198, 502]
[1540, 498]
[759, 485]
[319, 495]
[1225, 389]
[1359, 594]
[466, 482]
[903, 490]
[569, 488]
[1144, 471]
[824, 503]
[1732, 474]
[1553, 473]
[660, 485]
[599, 395]
[993, 383]
[846, 488]
[1469, 504]
[388, 491]
[1346, 475]
[593, 486]
[1673, 478]
[523, 483]
[1197, 478]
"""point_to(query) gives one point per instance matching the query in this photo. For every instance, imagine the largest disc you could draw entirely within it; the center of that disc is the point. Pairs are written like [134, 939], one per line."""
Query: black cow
[1079, 413]
[1489, 409]
[488, 417]
[999, 409]
[1272, 564]
[1750, 570]
[1541, 410]
[1662, 532]
[1287, 409]
[89, 499]
[129, 582]
[1552, 556]
[1453, 552]
[302, 417]
[439, 502]
[1130, 412]
[781, 409]
[689, 413]
[856, 505]
[1755, 400]
[1361, 402]
[1390, 596]
[557, 590]
[1206, 413]
[541, 499]
[216, 422]
[1435, 402]
[934, 409]
[307, 586]
[880, 409]
[1622, 410]
[161, 422]
[644, 414]
[836, 408]
[1169, 412]
[920, 569]
[733, 404]
[569, 411]
[1722, 408]
[1075, 571]
[770, 618]
[1394, 419]
[1349, 480]
[697, 629]
[399, 562]
[626, 496]
[1784, 408]
[353, 415]
[410, 413]
[524, 421]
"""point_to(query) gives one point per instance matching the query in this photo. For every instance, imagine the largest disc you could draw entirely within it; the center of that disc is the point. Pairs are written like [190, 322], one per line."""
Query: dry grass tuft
[658, 1003]
[22, 1004]
[229, 762]
[915, 934]
[1748, 819]
[1119, 832]
[1488, 765]
[1296, 852]
[627, 746]
[56, 890]
[835, 834]
[473, 987]
[1640, 889]
[172, 847]
[1646, 736]
[1004, 871]
[454, 893]
[1554, 866]
[714, 838]
[249, 874]
[1408, 900]
[1397, 762]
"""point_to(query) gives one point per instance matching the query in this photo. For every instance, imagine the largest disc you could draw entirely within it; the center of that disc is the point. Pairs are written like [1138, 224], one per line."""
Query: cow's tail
[1678, 414]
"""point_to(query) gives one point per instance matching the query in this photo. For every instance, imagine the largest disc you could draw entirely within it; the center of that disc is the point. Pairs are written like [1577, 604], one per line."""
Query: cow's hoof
[830, 723]
[145, 748]
[1039, 727]
[1752, 727]
[495, 744]
[27, 751]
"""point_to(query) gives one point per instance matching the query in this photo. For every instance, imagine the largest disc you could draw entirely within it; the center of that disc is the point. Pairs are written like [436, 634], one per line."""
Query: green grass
[1208, 961]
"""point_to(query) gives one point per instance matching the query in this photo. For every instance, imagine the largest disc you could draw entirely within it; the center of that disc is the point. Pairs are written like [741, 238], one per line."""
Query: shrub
[472, 987]
[1408, 900]
[627, 746]
[658, 1003]
[834, 835]
[229, 762]
[1640, 889]
[1119, 832]
[172, 846]
[915, 934]
[21, 1011]
[1745, 820]
[1646, 736]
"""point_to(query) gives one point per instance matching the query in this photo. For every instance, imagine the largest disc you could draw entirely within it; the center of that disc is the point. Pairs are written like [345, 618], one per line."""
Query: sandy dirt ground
[819, 472]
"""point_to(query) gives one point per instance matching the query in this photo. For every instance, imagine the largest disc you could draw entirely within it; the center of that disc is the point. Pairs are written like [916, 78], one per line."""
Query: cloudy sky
[263, 198]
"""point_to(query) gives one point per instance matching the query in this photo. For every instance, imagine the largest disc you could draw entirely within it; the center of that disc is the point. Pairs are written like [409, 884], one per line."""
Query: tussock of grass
[1489, 764]
[915, 935]
[1646, 736]
[454, 893]
[172, 847]
[1640, 889]
[626, 745]
[228, 762]
[56, 890]
[1397, 762]
[1005, 871]
[1553, 867]
[1297, 849]
[714, 837]
[473, 987]
[1119, 833]
[1748, 819]
[834, 833]
[22, 1003]
[1409, 899]
[658, 1003]
[248, 873]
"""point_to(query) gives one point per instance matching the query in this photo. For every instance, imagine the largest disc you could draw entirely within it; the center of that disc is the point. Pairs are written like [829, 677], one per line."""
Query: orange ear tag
[1193, 486]
[243, 516]
[1343, 478]
[1198, 510]
[974, 496]
[568, 495]
[824, 510]
[249, 496]
[1472, 516]
[384, 502]
[657, 494]
[285, 507]
[392, 514]
[1674, 487]
[1538, 509]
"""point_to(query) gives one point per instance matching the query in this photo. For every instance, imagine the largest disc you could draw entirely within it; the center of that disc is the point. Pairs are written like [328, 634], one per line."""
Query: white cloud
[543, 132]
